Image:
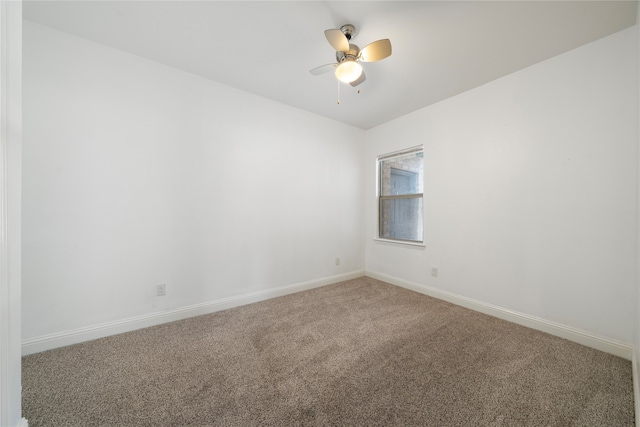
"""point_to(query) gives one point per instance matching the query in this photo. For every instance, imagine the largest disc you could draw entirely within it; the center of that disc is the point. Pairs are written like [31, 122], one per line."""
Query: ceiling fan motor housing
[352, 54]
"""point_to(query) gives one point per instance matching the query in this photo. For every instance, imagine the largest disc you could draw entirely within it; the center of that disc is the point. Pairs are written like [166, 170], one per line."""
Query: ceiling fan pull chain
[338, 92]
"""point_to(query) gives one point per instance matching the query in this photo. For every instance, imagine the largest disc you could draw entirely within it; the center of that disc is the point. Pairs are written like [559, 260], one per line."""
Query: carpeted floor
[358, 353]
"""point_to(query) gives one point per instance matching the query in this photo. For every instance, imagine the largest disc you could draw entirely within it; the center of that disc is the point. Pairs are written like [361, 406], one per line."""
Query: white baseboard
[572, 334]
[61, 339]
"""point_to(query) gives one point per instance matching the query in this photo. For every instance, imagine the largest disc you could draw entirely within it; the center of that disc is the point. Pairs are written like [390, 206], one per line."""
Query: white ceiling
[440, 48]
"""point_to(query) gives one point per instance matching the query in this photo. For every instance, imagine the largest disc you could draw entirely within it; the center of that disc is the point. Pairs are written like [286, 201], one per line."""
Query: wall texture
[137, 174]
[530, 191]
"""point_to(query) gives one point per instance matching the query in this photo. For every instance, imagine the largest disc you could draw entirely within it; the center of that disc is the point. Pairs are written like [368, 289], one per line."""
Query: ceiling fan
[348, 69]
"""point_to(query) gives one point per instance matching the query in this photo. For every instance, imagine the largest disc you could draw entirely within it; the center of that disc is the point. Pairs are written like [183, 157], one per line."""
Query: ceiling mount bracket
[348, 30]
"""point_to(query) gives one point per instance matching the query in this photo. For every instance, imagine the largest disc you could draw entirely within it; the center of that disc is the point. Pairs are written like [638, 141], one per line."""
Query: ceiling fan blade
[323, 69]
[359, 80]
[337, 39]
[376, 51]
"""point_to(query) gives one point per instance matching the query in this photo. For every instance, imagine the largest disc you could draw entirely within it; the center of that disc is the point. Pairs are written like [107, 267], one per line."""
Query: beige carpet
[358, 353]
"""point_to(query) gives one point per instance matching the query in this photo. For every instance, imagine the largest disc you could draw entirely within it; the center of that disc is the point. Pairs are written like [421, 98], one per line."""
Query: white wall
[530, 191]
[137, 174]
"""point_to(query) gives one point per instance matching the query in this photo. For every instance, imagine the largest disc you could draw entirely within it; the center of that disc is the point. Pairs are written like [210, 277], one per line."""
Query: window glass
[401, 175]
[400, 196]
[401, 219]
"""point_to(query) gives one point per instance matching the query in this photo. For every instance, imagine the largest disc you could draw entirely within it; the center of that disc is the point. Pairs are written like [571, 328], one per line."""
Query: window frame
[380, 198]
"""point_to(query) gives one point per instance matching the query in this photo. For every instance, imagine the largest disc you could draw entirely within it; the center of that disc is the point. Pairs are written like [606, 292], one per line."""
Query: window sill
[400, 242]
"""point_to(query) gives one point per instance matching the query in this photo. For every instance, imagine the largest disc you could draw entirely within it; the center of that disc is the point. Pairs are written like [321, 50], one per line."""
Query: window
[400, 195]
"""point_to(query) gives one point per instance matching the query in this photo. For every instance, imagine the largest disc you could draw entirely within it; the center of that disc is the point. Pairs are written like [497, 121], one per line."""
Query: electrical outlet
[161, 290]
[434, 271]
[337, 261]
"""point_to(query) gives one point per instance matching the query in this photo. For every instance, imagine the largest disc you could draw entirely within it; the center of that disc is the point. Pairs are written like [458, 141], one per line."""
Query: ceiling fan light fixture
[348, 71]
[347, 67]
